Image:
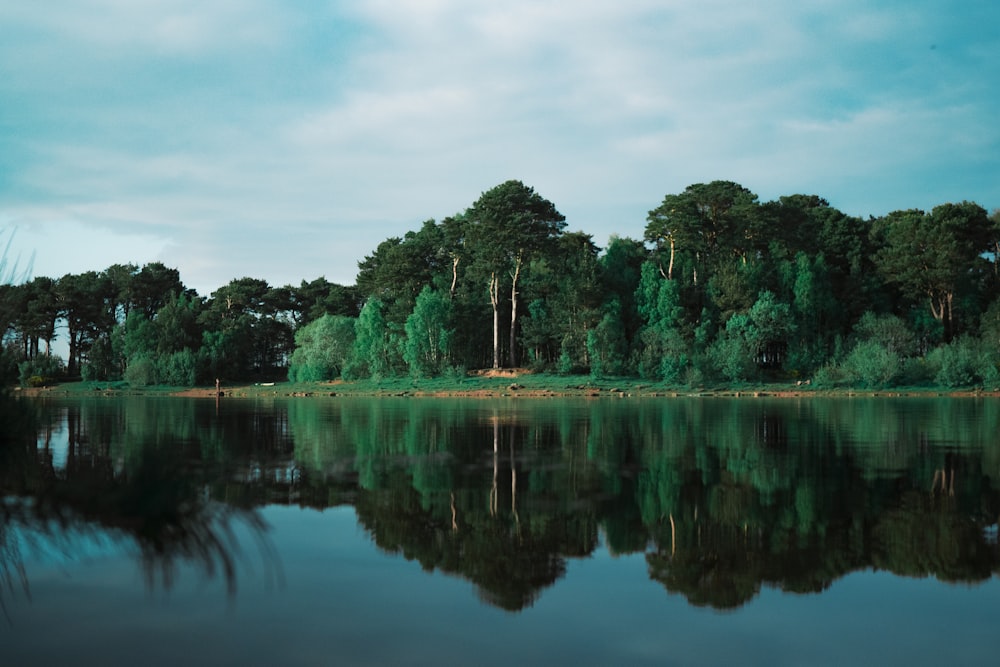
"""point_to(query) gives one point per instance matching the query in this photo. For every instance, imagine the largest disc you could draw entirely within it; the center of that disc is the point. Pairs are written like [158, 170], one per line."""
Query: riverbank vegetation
[723, 290]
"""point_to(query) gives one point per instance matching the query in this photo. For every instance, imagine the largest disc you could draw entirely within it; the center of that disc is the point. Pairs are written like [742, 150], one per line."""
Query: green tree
[814, 311]
[849, 250]
[663, 353]
[564, 298]
[376, 347]
[400, 268]
[931, 256]
[313, 299]
[621, 268]
[251, 327]
[153, 286]
[707, 221]
[176, 324]
[428, 334]
[85, 304]
[322, 349]
[508, 226]
[755, 339]
[607, 347]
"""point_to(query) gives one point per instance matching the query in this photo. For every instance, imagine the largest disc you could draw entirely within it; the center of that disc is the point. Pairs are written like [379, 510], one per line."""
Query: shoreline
[404, 387]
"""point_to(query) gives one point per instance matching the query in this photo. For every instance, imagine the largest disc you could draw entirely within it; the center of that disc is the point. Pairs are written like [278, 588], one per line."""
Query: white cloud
[264, 138]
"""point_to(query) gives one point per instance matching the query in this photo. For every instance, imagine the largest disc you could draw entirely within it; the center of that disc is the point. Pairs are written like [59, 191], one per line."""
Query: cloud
[285, 141]
[165, 27]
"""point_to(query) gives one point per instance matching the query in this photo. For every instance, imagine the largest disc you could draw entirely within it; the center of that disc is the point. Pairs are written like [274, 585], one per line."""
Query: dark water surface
[703, 531]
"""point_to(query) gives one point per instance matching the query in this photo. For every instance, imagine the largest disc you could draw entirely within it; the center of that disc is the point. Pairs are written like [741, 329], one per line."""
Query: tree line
[721, 288]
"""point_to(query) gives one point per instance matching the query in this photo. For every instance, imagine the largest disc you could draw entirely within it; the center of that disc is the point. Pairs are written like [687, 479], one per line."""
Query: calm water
[432, 531]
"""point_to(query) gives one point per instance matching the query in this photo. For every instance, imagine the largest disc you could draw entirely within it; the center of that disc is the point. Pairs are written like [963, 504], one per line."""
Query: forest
[721, 289]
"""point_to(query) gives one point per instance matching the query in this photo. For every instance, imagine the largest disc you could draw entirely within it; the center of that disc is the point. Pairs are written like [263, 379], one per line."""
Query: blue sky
[285, 140]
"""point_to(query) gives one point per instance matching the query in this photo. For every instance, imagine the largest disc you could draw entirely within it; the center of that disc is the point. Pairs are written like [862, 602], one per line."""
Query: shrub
[141, 371]
[871, 364]
[733, 351]
[964, 362]
[828, 376]
[322, 350]
[889, 331]
[177, 368]
[917, 371]
[40, 371]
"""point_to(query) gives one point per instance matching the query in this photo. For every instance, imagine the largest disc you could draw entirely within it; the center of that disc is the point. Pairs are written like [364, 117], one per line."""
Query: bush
[565, 365]
[177, 368]
[888, 331]
[323, 348]
[964, 362]
[694, 377]
[828, 376]
[141, 371]
[917, 371]
[733, 351]
[40, 371]
[871, 364]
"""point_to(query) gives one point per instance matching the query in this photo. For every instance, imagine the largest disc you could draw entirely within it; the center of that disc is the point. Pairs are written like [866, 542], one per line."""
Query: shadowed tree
[85, 303]
[312, 299]
[564, 296]
[153, 287]
[932, 256]
[621, 266]
[401, 267]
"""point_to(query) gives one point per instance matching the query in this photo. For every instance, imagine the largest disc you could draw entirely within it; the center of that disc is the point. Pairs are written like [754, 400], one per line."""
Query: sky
[286, 140]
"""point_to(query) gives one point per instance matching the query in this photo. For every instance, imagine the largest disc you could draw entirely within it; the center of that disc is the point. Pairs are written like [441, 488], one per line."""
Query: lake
[633, 531]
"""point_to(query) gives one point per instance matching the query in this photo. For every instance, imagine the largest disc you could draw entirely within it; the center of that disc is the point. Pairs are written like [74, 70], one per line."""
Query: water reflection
[122, 479]
[722, 497]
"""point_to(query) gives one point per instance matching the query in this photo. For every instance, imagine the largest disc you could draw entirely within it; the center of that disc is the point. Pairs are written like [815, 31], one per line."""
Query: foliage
[141, 370]
[375, 352]
[40, 371]
[872, 364]
[930, 255]
[965, 362]
[428, 334]
[607, 347]
[322, 349]
[887, 329]
[177, 368]
[734, 350]
[728, 287]
[663, 350]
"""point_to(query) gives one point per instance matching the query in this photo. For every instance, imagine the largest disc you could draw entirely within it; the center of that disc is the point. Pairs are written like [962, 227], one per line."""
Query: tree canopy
[721, 288]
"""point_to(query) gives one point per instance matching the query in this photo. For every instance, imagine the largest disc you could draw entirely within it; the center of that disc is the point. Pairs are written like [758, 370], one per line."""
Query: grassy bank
[487, 384]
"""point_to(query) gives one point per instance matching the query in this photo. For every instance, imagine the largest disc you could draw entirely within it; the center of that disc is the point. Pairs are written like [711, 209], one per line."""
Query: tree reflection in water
[721, 497]
[158, 502]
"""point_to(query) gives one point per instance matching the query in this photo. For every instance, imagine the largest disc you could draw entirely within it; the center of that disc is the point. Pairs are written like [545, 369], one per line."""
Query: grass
[485, 385]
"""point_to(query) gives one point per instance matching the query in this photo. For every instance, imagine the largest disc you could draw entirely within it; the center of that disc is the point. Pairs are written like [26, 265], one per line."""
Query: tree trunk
[513, 312]
[495, 301]
[74, 353]
[941, 310]
[670, 267]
